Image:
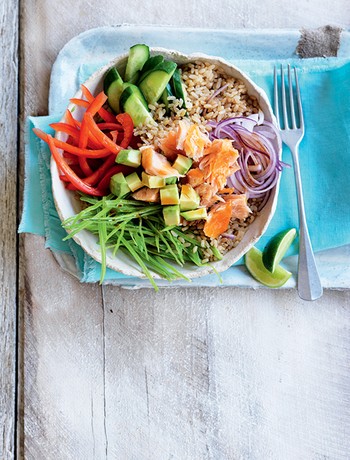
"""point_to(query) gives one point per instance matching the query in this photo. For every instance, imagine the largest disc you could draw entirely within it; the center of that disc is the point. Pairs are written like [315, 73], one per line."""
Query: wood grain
[220, 374]
[8, 205]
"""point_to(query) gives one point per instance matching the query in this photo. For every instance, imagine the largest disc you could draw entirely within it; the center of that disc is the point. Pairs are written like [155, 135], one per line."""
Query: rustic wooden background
[186, 373]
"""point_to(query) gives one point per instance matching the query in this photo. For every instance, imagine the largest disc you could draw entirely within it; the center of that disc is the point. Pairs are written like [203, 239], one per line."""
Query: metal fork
[309, 284]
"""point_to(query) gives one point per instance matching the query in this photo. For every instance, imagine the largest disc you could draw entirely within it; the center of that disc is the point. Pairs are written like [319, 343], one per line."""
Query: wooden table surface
[90, 372]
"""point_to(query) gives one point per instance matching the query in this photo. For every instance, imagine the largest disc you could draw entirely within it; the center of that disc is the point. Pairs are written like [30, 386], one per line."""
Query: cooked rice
[202, 80]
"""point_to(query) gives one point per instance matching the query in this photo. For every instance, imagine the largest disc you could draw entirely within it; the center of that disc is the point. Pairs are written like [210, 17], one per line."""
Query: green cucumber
[131, 103]
[138, 55]
[177, 87]
[153, 85]
[113, 86]
[164, 97]
[151, 63]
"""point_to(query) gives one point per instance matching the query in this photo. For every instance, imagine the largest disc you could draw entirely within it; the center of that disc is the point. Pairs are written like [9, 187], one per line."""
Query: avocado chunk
[133, 181]
[113, 86]
[138, 56]
[196, 214]
[129, 157]
[189, 198]
[182, 164]
[118, 185]
[171, 215]
[169, 195]
[171, 180]
[152, 181]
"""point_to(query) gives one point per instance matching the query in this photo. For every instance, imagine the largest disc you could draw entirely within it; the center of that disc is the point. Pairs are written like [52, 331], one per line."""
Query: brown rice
[201, 81]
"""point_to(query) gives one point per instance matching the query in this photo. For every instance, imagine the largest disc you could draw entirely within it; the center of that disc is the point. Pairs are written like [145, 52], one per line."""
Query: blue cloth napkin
[324, 159]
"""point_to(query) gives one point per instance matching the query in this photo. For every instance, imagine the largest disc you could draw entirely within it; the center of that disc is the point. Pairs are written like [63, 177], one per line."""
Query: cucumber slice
[137, 92]
[138, 55]
[178, 88]
[113, 86]
[153, 85]
[164, 97]
[131, 103]
[151, 63]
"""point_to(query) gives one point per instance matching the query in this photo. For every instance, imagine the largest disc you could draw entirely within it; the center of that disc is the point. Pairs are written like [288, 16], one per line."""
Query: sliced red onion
[217, 92]
[228, 235]
[259, 143]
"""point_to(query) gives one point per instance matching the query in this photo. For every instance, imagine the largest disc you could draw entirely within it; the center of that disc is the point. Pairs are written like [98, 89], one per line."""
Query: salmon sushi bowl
[166, 165]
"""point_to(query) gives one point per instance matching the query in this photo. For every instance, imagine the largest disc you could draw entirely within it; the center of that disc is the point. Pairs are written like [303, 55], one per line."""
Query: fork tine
[291, 100]
[275, 95]
[301, 117]
[284, 104]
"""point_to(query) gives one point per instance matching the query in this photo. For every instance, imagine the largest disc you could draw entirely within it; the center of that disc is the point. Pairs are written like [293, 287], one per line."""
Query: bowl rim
[210, 268]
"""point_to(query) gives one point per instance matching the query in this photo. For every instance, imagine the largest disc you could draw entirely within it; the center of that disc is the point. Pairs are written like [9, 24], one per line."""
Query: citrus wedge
[277, 247]
[254, 264]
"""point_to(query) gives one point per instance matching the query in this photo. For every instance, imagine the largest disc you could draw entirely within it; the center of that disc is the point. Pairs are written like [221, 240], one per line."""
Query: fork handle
[309, 283]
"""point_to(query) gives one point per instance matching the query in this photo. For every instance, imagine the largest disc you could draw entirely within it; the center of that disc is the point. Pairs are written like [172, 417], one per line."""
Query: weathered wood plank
[220, 374]
[61, 377]
[8, 205]
[183, 373]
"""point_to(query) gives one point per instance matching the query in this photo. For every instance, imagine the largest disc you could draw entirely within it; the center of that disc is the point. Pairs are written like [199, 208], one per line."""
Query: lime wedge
[254, 263]
[277, 247]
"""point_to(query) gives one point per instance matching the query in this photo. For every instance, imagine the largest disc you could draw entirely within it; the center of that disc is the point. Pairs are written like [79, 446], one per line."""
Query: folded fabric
[324, 154]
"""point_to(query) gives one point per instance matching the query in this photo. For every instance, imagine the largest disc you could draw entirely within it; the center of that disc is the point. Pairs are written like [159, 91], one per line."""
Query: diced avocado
[189, 198]
[129, 157]
[152, 181]
[171, 215]
[169, 195]
[133, 181]
[154, 83]
[150, 64]
[171, 180]
[177, 87]
[138, 56]
[118, 185]
[113, 86]
[196, 214]
[182, 164]
[131, 103]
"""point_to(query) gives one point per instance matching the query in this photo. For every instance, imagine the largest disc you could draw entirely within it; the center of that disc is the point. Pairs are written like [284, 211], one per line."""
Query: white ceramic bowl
[67, 205]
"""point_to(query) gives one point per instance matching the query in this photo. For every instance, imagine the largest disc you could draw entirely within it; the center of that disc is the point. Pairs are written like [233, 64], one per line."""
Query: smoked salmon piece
[152, 195]
[187, 140]
[195, 177]
[240, 208]
[218, 220]
[219, 163]
[195, 143]
[168, 146]
[156, 164]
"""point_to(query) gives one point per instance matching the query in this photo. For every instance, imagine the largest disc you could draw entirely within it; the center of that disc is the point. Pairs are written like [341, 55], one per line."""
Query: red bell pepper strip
[79, 102]
[100, 136]
[107, 116]
[104, 182]
[75, 133]
[93, 108]
[101, 153]
[128, 126]
[67, 171]
[97, 175]
[109, 126]
[71, 120]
